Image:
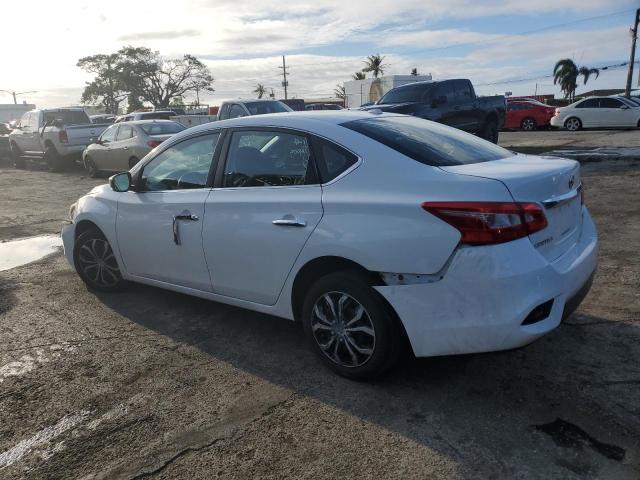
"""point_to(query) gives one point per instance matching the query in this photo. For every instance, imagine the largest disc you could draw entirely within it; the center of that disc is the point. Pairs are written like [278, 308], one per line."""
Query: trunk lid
[161, 138]
[551, 182]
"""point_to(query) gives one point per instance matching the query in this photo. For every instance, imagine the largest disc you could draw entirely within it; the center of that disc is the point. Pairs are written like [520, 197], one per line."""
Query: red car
[528, 114]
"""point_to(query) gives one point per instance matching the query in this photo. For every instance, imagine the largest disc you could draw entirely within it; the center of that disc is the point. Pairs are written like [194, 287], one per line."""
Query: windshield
[260, 108]
[409, 93]
[161, 128]
[68, 117]
[428, 142]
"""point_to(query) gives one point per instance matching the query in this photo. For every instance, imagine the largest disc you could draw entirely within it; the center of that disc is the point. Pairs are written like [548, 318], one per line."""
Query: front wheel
[96, 263]
[133, 161]
[16, 156]
[90, 167]
[528, 124]
[350, 326]
[490, 131]
[573, 124]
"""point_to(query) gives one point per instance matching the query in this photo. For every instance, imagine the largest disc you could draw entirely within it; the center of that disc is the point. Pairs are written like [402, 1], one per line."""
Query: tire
[53, 159]
[528, 124]
[133, 161]
[573, 124]
[90, 167]
[362, 354]
[490, 131]
[16, 156]
[95, 262]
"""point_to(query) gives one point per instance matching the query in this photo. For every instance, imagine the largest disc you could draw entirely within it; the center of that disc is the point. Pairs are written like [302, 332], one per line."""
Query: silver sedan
[122, 145]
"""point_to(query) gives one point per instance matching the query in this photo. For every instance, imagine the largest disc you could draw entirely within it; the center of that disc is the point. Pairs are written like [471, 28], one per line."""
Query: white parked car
[371, 229]
[123, 144]
[597, 112]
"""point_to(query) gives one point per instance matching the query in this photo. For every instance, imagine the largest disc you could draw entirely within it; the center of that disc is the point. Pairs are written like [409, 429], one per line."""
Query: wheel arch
[84, 225]
[317, 268]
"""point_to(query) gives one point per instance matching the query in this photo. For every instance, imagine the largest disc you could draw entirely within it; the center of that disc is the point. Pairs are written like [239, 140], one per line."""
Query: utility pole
[15, 94]
[634, 36]
[285, 84]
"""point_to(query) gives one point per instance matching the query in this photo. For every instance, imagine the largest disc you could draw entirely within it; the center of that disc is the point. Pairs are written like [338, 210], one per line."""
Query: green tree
[566, 73]
[359, 76]
[260, 90]
[375, 65]
[108, 87]
[414, 72]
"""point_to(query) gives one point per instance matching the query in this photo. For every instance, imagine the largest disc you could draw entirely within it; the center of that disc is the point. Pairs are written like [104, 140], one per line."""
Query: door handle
[176, 219]
[125, 148]
[289, 222]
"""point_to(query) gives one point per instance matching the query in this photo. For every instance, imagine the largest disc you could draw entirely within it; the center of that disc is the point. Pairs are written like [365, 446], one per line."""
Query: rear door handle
[176, 229]
[289, 222]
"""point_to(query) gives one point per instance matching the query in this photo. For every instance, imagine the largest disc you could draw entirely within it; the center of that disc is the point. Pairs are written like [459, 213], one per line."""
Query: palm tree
[566, 73]
[260, 90]
[414, 72]
[340, 93]
[374, 64]
[359, 76]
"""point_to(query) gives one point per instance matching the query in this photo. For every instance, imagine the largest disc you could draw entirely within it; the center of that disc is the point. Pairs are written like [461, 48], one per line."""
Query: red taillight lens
[557, 112]
[153, 143]
[62, 136]
[484, 223]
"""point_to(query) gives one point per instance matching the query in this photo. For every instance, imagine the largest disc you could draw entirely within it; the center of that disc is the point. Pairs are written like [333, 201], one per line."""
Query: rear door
[264, 208]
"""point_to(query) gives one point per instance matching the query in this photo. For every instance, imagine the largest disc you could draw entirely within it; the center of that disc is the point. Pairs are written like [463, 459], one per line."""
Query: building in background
[12, 111]
[371, 90]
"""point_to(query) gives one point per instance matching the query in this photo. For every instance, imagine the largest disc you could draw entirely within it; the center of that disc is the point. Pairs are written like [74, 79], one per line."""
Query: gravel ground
[150, 383]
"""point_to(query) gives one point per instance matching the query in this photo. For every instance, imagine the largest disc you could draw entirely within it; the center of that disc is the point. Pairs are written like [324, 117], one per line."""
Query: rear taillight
[154, 143]
[62, 136]
[557, 112]
[484, 223]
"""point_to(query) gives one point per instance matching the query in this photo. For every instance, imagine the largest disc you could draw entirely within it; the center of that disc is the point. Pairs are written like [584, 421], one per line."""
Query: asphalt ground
[154, 384]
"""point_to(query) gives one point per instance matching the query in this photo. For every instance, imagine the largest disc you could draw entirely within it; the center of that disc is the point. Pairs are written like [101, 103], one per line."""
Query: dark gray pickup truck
[452, 102]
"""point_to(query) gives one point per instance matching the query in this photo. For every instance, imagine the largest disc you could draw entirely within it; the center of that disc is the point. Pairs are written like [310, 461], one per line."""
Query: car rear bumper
[557, 121]
[487, 293]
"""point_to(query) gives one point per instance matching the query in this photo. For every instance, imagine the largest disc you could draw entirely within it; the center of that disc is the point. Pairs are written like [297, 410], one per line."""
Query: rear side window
[446, 91]
[157, 115]
[588, 103]
[428, 142]
[332, 160]
[463, 90]
[163, 128]
[261, 108]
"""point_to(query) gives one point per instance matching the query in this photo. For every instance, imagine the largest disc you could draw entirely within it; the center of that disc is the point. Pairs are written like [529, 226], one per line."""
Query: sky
[501, 45]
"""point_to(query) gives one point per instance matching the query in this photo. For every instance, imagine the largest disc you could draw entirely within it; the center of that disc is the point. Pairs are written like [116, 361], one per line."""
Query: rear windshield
[161, 128]
[260, 108]
[428, 142]
[410, 93]
[68, 117]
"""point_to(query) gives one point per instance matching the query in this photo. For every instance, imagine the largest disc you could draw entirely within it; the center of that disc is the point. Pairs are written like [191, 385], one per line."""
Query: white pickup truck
[58, 136]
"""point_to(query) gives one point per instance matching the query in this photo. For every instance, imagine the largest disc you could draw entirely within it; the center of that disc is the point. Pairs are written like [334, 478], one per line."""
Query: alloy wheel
[98, 263]
[528, 124]
[573, 124]
[343, 329]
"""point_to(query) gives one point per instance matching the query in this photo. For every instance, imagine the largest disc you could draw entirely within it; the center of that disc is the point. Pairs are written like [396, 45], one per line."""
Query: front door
[100, 152]
[159, 227]
[262, 213]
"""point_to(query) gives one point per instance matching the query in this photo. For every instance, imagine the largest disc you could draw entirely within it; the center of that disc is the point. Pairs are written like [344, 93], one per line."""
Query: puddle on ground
[14, 253]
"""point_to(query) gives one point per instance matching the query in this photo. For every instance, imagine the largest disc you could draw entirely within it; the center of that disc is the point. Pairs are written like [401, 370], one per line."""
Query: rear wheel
[96, 263]
[350, 326]
[133, 161]
[573, 124]
[528, 124]
[490, 131]
[16, 156]
[90, 167]
[53, 159]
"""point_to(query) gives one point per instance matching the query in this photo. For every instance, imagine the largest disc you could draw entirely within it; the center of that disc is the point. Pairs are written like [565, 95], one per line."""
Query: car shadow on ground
[486, 411]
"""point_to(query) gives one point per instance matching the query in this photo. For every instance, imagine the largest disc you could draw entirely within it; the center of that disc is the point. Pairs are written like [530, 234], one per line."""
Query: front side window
[445, 92]
[428, 142]
[109, 135]
[610, 103]
[268, 158]
[409, 93]
[463, 90]
[183, 166]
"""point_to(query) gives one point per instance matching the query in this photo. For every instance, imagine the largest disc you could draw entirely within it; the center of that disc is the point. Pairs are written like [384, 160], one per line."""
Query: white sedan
[597, 112]
[376, 231]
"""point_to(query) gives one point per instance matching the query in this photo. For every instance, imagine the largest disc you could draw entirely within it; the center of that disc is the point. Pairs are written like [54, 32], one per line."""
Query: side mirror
[120, 182]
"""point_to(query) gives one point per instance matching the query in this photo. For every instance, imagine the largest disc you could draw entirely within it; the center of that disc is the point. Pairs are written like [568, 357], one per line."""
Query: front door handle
[289, 222]
[176, 219]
